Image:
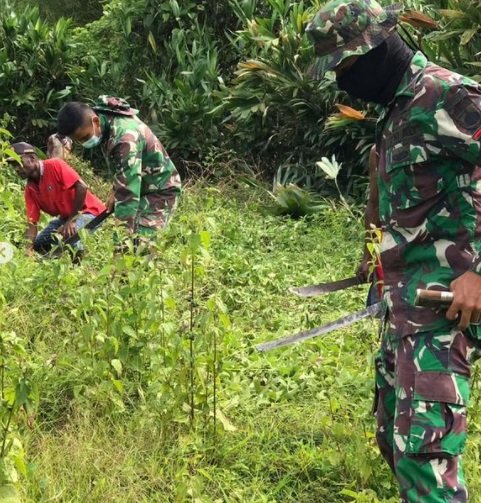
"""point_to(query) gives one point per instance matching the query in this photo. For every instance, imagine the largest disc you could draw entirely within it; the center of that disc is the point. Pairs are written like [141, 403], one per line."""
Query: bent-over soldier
[146, 183]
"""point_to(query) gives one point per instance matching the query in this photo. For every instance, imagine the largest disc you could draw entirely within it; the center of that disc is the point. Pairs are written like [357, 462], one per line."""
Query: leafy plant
[35, 60]
[331, 169]
[293, 201]
[457, 41]
[52, 10]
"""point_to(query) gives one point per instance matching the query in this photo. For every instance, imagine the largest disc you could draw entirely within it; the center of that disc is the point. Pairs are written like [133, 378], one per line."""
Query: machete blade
[321, 288]
[72, 240]
[345, 321]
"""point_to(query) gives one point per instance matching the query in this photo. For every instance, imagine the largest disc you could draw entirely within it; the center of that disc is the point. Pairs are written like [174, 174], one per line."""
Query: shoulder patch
[465, 110]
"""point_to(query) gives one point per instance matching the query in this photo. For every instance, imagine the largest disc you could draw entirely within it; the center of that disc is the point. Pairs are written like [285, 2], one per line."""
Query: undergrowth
[149, 387]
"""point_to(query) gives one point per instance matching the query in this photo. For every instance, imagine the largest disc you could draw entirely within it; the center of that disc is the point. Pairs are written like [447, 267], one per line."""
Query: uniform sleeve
[459, 123]
[66, 175]
[126, 160]
[459, 130]
[32, 207]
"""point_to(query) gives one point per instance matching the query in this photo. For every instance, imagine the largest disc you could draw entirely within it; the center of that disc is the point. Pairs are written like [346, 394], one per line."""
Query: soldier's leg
[385, 402]
[432, 392]
[155, 211]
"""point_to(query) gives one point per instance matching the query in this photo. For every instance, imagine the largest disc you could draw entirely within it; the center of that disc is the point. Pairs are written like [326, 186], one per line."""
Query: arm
[371, 215]
[68, 228]
[33, 215]
[459, 129]
[126, 158]
[30, 235]
[70, 179]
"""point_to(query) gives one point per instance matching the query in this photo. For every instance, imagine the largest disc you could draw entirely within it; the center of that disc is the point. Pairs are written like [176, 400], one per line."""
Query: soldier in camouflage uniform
[429, 172]
[146, 183]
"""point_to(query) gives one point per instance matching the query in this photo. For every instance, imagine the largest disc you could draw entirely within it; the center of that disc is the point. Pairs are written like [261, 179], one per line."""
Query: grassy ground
[131, 370]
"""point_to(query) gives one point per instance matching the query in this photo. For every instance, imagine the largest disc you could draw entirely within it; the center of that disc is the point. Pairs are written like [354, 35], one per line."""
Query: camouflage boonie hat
[344, 28]
[114, 105]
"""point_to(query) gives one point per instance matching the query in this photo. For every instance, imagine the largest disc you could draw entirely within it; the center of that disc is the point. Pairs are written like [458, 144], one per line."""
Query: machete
[321, 288]
[72, 240]
[372, 310]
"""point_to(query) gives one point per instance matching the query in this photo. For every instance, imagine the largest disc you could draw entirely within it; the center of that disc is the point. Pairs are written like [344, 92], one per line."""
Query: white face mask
[93, 141]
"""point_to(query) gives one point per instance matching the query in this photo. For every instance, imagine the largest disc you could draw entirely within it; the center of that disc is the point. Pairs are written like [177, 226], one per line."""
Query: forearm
[31, 234]
[79, 200]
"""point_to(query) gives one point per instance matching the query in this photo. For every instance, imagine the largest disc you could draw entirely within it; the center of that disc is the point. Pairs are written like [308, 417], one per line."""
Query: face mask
[375, 76]
[93, 141]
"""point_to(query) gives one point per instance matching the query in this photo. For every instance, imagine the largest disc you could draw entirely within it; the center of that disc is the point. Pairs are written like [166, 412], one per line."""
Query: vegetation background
[136, 380]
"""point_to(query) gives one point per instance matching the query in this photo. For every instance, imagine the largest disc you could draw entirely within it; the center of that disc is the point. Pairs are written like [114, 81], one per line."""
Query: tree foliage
[211, 75]
[35, 64]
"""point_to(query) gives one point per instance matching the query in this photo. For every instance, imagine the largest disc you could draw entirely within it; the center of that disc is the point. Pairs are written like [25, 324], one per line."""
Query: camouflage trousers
[154, 212]
[422, 390]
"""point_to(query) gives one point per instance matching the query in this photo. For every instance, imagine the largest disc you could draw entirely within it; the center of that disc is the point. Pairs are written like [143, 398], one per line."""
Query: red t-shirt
[54, 194]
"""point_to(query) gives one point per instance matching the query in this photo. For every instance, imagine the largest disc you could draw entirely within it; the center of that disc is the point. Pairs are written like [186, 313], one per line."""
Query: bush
[52, 10]
[35, 62]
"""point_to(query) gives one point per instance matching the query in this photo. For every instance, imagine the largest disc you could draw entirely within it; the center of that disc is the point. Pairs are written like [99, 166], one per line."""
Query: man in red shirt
[55, 188]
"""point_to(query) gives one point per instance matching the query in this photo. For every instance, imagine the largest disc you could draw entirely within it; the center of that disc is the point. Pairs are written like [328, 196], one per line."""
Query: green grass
[108, 347]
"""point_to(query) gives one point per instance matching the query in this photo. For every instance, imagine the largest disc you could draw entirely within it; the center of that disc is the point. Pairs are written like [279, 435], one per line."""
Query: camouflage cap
[344, 28]
[114, 105]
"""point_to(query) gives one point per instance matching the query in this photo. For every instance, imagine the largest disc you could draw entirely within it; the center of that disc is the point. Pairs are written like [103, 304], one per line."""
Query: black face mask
[375, 76]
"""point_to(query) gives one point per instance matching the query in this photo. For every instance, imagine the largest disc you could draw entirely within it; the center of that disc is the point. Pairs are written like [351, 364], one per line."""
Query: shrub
[35, 60]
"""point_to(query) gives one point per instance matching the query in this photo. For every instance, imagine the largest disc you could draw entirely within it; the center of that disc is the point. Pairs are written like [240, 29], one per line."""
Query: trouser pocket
[438, 414]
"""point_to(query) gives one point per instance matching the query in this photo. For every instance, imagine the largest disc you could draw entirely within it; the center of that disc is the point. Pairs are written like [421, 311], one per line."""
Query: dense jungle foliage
[215, 79]
[135, 379]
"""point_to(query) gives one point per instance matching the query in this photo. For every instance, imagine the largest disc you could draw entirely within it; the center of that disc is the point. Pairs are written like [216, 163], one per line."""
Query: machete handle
[433, 298]
[441, 299]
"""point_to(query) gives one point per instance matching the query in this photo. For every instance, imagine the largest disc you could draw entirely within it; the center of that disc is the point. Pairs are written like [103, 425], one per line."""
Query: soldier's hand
[467, 298]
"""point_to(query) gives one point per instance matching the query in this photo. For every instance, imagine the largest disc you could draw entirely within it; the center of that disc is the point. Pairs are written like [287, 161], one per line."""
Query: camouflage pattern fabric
[429, 184]
[348, 28]
[429, 191]
[422, 384]
[146, 183]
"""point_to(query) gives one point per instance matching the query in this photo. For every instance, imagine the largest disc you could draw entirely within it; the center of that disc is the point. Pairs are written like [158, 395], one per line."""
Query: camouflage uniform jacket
[429, 182]
[140, 163]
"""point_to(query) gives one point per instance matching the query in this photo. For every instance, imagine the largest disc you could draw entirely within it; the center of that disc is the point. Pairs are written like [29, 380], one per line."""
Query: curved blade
[321, 288]
[325, 329]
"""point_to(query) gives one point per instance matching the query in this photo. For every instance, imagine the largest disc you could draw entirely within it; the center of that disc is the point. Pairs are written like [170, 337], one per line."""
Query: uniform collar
[42, 168]
[104, 124]
[406, 86]
[418, 64]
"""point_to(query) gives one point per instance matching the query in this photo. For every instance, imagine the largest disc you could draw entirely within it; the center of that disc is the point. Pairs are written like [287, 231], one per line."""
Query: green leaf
[118, 385]
[8, 494]
[152, 41]
[468, 35]
[117, 365]
[228, 426]
[128, 330]
[205, 239]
